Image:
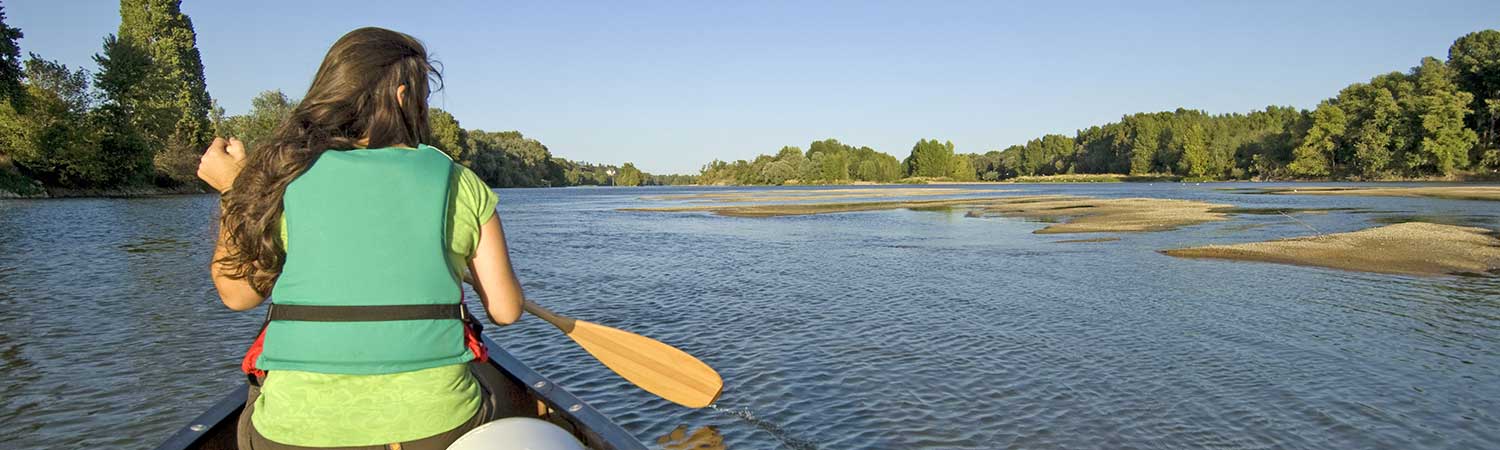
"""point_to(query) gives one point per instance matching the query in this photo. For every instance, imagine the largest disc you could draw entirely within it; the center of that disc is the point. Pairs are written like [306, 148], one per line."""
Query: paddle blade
[656, 367]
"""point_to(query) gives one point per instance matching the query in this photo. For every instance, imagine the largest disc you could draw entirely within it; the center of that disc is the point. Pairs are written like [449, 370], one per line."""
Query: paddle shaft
[563, 323]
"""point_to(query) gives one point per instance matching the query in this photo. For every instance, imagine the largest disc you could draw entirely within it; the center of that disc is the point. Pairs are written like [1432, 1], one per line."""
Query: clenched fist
[221, 163]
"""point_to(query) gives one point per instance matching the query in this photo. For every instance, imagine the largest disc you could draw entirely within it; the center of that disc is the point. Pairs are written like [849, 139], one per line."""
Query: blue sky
[672, 85]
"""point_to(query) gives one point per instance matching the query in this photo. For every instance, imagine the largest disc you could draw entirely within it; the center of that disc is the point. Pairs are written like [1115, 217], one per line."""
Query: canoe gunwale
[592, 428]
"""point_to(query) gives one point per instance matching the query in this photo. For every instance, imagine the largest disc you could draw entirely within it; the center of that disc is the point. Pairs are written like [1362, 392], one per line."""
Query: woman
[362, 232]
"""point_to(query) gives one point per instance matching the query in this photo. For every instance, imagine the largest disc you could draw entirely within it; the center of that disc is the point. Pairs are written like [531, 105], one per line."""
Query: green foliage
[1440, 109]
[450, 137]
[1193, 144]
[628, 175]
[1050, 155]
[1475, 60]
[825, 162]
[960, 169]
[267, 111]
[1313, 158]
[53, 141]
[183, 129]
[510, 159]
[930, 158]
[128, 116]
[1145, 138]
[991, 166]
[10, 64]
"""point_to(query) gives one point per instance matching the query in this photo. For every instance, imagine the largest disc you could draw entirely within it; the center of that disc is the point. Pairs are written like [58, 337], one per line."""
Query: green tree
[930, 158]
[961, 169]
[779, 172]
[53, 141]
[267, 111]
[1375, 121]
[167, 35]
[126, 85]
[1441, 109]
[10, 64]
[1475, 60]
[1195, 156]
[1312, 157]
[510, 159]
[1145, 137]
[628, 175]
[450, 137]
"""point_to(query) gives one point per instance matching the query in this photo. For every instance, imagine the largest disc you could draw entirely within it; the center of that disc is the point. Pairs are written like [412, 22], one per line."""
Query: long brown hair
[353, 97]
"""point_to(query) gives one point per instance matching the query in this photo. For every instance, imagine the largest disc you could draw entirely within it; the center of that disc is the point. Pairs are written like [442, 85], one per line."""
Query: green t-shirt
[327, 410]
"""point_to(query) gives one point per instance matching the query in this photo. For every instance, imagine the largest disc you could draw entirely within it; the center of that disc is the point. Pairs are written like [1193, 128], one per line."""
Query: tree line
[141, 120]
[1438, 119]
[145, 116]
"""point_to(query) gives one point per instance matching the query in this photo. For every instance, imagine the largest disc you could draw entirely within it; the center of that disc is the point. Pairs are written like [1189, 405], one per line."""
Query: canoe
[532, 395]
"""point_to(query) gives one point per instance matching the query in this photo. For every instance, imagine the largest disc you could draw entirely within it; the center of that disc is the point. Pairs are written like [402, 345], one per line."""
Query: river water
[886, 329]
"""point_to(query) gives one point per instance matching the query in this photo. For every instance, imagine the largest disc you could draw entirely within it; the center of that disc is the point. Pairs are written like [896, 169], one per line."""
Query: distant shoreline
[1122, 178]
[122, 192]
[156, 191]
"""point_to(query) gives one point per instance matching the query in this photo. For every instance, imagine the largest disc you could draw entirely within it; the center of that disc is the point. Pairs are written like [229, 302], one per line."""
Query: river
[883, 329]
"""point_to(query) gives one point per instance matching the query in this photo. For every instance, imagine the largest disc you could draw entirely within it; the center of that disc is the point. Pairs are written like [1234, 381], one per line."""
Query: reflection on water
[703, 438]
[882, 329]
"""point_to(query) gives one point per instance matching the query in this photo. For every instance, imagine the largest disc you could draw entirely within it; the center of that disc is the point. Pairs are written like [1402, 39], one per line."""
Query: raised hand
[221, 163]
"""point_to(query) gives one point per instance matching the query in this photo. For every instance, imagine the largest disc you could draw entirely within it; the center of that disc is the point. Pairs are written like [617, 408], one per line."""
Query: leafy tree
[1312, 158]
[778, 172]
[1195, 157]
[1440, 109]
[267, 111]
[451, 137]
[10, 64]
[1145, 137]
[166, 34]
[628, 176]
[1475, 60]
[930, 158]
[961, 169]
[127, 86]
[52, 142]
[1375, 120]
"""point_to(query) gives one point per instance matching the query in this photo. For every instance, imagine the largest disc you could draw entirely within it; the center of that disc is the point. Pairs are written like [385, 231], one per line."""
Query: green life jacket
[366, 228]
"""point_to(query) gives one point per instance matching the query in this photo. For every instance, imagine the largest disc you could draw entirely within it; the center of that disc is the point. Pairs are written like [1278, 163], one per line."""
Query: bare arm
[219, 167]
[492, 276]
[236, 294]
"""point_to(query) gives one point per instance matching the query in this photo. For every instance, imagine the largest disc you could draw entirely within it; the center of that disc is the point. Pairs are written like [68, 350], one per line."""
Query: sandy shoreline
[1485, 193]
[816, 194]
[798, 209]
[1100, 215]
[1072, 214]
[1413, 248]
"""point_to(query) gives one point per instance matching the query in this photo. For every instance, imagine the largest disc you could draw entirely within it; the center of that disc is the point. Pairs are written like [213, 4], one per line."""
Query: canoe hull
[531, 395]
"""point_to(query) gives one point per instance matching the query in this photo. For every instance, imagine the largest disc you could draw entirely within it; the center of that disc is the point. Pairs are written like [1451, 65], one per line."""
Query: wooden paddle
[658, 368]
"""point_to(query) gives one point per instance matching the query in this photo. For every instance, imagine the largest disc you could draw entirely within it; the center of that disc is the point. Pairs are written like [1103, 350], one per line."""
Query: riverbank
[120, 192]
[1476, 177]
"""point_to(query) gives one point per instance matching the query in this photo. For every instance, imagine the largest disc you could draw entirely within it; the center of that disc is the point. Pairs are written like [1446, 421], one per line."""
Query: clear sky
[672, 85]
